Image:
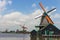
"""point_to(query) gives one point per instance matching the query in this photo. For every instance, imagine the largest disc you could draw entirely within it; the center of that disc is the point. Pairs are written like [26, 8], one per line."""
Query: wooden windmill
[45, 19]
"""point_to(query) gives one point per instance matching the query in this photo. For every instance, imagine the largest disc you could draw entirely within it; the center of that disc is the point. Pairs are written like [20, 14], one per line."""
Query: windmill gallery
[47, 29]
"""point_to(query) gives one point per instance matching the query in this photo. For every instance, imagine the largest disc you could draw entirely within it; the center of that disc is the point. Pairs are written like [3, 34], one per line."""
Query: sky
[14, 13]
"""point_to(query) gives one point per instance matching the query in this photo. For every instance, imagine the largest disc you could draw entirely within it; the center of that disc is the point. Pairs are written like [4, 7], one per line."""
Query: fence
[51, 37]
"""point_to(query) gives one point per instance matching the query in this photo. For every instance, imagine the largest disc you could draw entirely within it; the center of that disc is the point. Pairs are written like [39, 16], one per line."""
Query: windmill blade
[42, 9]
[54, 9]
[42, 6]
[38, 16]
[23, 26]
[49, 19]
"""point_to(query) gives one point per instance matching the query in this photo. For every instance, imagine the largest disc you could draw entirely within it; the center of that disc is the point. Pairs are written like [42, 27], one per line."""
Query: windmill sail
[51, 10]
[42, 7]
[45, 19]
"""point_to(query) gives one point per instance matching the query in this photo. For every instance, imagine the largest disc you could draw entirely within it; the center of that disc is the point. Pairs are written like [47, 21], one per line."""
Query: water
[13, 36]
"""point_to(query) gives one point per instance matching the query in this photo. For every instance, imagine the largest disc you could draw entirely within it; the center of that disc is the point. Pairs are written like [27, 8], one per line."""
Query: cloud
[3, 4]
[57, 15]
[10, 2]
[12, 20]
[33, 5]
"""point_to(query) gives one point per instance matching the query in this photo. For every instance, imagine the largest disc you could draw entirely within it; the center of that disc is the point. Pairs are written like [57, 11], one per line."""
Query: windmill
[23, 27]
[45, 19]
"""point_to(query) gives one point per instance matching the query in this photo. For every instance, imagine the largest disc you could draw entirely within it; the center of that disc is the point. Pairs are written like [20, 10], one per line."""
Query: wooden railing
[51, 37]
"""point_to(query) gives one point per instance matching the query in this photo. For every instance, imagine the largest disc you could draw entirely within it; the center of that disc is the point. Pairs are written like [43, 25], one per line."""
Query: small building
[49, 32]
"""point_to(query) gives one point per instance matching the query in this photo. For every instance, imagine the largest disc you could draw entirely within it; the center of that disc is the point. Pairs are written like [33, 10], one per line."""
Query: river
[13, 36]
